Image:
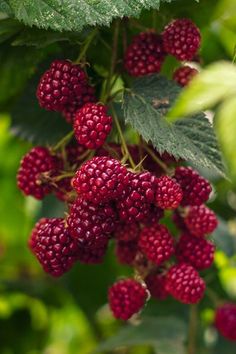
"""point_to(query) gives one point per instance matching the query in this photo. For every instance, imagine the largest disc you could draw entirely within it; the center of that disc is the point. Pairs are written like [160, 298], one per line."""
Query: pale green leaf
[216, 82]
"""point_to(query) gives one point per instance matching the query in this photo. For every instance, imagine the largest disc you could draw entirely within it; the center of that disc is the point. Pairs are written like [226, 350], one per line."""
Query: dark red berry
[101, 179]
[63, 189]
[195, 251]
[184, 284]
[184, 75]
[156, 243]
[60, 84]
[91, 225]
[181, 38]
[126, 251]
[86, 95]
[91, 255]
[92, 125]
[154, 216]
[136, 203]
[225, 320]
[145, 54]
[34, 166]
[200, 220]
[196, 189]
[156, 284]
[168, 193]
[52, 245]
[126, 297]
[127, 232]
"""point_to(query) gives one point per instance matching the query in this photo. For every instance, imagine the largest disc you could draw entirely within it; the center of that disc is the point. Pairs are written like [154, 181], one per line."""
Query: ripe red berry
[86, 95]
[195, 251]
[126, 297]
[225, 320]
[181, 38]
[156, 243]
[126, 251]
[101, 179]
[34, 164]
[184, 75]
[52, 245]
[168, 193]
[200, 220]
[60, 84]
[156, 284]
[91, 225]
[136, 203]
[184, 284]
[127, 232]
[154, 216]
[145, 54]
[92, 125]
[196, 189]
[91, 255]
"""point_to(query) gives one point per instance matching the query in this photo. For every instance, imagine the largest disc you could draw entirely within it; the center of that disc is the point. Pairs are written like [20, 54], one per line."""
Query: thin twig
[156, 159]
[192, 336]
[63, 141]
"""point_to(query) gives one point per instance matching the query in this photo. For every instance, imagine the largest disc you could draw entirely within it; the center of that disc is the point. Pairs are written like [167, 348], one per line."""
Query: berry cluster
[120, 194]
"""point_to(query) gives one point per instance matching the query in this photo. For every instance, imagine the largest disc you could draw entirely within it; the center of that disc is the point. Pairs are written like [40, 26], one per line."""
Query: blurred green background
[39, 314]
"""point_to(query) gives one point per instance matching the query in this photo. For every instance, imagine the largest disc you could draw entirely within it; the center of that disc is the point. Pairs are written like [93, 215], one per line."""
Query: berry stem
[156, 159]
[86, 45]
[63, 175]
[123, 142]
[192, 336]
[63, 141]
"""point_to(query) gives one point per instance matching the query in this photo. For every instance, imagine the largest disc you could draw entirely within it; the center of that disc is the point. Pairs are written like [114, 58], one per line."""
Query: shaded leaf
[223, 239]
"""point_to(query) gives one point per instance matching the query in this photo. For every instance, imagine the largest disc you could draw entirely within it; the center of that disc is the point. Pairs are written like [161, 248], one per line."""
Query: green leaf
[191, 139]
[224, 240]
[74, 15]
[5, 7]
[226, 126]
[216, 82]
[34, 124]
[165, 335]
[8, 28]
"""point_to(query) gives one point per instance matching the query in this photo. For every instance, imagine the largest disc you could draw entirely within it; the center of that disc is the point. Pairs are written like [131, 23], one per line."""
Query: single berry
[145, 54]
[136, 203]
[126, 297]
[168, 193]
[156, 284]
[196, 189]
[184, 75]
[52, 245]
[101, 179]
[60, 84]
[63, 189]
[91, 225]
[181, 38]
[156, 243]
[91, 255]
[35, 167]
[127, 232]
[195, 251]
[184, 284]
[92, 125]
[84, 96]
[154, 216]
[126, 251]
[200, 220]
[75, 155]
[225, 320]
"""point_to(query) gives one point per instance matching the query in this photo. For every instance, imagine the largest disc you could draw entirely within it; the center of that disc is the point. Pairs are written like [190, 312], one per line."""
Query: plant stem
[192, 335]
[86, 45]
[64, 140]
[156, 159]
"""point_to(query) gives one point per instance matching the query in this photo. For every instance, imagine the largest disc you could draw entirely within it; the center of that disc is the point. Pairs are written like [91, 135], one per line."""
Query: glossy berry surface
[225, 320]
[195, 251]
[126, 297]
[101, 179]
[201, 220]
[91, 225]
[36, 162]
[156, 243]
[168, 193]
[53, 246]
[92, 125]
[181, 38]
[196, 189]
[60, 84]
[145, 54]
[184, 75]
[184, 284]
[156, 284]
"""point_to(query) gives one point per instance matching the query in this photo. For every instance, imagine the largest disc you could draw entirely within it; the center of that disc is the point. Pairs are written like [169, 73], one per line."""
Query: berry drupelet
[184, 75]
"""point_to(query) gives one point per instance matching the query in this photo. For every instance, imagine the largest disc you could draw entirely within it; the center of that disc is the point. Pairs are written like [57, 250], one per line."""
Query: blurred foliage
[40, 315]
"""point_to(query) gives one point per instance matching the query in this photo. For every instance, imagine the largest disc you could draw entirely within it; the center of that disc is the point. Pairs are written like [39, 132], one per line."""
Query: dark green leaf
[223, 239]
[5, 7]
[165, 335]
[191, 139]
[8, 28]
